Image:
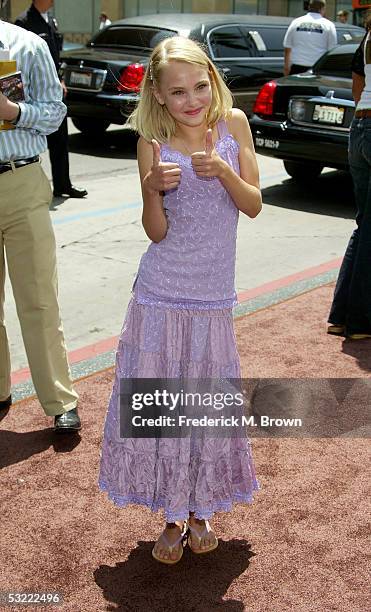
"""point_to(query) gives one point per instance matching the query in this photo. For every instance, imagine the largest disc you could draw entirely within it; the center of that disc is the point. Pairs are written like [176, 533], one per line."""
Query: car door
[238, 52]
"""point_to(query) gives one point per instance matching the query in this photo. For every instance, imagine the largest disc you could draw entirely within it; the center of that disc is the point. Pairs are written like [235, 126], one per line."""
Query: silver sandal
[182, 538]
[195, 533]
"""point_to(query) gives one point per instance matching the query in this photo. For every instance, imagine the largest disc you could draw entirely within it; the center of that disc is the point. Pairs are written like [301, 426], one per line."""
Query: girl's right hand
[163, 175]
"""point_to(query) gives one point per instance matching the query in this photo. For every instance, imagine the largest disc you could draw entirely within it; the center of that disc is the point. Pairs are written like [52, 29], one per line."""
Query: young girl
[198, 170]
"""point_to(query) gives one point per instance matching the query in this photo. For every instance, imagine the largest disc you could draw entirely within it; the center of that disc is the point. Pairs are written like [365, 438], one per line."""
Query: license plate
[268, 143]
[81, 78]
[328, 114]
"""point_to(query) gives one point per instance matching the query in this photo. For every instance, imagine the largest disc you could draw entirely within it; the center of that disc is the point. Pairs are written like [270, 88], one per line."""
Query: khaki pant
[27, 238]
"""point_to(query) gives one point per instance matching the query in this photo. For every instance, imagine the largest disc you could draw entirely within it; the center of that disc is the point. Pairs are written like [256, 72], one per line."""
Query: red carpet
[301, 546]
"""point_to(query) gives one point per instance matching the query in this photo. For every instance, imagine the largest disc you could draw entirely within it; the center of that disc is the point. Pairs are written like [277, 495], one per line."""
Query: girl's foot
[169, 546]
[202, 539]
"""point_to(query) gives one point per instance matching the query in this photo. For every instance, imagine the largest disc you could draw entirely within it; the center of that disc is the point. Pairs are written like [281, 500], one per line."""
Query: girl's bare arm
[155, 177]
[243, 189]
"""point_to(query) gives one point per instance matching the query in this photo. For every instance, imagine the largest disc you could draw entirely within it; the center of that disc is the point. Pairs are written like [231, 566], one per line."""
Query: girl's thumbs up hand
[156, 153]
[163, 175]
[209, 147]
[208, 163]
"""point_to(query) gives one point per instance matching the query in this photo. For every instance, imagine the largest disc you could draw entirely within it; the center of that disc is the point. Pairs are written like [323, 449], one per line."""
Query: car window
[230, 41]
[348, 34]
[335, 64]
[132, 37]
[273, 37]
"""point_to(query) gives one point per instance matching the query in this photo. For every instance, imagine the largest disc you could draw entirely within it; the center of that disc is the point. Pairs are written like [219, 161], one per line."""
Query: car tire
[90, 127]
[303, 171]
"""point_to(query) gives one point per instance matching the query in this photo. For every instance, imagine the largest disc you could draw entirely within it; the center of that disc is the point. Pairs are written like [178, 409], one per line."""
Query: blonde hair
[151, 119]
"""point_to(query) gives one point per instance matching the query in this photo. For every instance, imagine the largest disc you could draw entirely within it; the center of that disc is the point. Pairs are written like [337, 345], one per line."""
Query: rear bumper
[286, 141]
[111, 107]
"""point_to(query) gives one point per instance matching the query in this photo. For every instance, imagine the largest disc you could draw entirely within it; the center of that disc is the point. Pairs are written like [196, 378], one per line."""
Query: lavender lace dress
[179, 323]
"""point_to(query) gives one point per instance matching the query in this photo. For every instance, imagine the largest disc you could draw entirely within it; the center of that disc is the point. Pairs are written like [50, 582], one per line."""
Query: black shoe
[358, 336]
[336, 329]
[6, 403]
[72, 192]
[68, 422]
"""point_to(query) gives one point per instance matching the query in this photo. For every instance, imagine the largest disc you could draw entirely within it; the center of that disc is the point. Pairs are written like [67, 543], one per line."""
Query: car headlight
[99, 79]
[297, 110]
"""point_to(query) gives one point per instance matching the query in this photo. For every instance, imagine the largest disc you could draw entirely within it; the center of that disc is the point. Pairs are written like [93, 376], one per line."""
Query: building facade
[80, 19]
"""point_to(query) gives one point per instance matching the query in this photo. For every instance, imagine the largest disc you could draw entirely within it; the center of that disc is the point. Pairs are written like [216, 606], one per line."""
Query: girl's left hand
[208, 162]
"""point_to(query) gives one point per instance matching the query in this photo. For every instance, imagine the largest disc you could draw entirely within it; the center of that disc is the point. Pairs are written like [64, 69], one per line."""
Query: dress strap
[222, 128]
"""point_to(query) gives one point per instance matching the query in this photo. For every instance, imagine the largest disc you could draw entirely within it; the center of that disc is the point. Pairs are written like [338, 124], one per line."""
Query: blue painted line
[79, 370]
[96, 213]
[282, 294]
[106, 212]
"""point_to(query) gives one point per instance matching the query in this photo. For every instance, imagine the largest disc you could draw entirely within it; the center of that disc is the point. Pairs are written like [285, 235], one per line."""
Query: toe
[208, 540]
[160, 551]
[175, 553]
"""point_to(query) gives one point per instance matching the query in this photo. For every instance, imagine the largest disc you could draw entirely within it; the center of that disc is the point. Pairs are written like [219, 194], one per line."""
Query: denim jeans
[351, 305]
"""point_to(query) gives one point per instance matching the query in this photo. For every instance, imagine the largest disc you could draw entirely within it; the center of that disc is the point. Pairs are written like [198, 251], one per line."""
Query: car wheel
[90, 127]
[303, 171]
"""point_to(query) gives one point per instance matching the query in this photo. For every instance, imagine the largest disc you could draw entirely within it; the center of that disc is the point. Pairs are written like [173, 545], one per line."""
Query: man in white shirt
[37, 20]
[307, 38]
[27, 239]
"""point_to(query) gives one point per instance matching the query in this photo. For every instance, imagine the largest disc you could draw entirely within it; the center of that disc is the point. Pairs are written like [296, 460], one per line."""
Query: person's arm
[358, 85]
[358, 71]
[155, 177]
[9, 111]
[287, 45]
[287, 61]
[43, 110]
[244, 188]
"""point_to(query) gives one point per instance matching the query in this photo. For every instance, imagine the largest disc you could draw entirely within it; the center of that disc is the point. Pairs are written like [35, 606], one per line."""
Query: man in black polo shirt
[37, 20]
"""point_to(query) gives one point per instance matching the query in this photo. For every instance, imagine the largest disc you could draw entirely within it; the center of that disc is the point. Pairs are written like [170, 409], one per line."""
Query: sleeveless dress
[179, 323]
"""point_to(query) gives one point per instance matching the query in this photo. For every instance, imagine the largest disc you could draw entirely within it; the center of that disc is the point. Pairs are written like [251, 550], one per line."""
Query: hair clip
[150, 71]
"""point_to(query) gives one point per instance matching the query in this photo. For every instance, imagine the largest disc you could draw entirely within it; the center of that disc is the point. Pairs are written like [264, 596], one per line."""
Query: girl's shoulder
[144, 151]
[143, 144]
[237, 122]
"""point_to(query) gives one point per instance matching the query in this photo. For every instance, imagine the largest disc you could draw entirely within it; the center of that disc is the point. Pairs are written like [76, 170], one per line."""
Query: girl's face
[185, 89]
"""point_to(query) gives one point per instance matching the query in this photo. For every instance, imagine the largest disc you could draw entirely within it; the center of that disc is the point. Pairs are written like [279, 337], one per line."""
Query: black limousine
[103, 79]
[304, 119]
